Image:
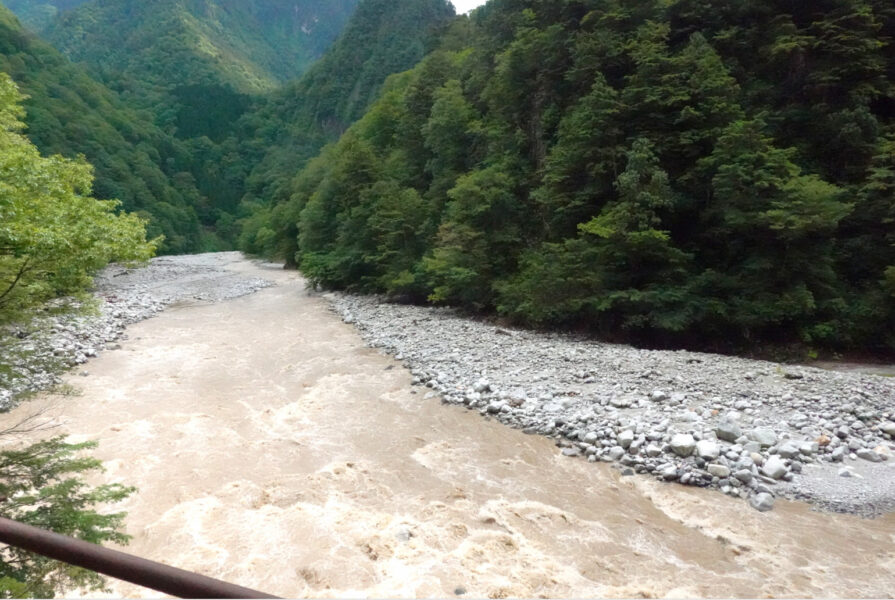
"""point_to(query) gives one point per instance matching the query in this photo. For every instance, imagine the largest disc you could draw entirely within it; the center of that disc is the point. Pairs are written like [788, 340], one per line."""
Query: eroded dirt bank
[273, 449]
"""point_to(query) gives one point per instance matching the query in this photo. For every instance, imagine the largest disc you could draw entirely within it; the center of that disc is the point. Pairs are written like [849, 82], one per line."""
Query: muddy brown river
[272, 449]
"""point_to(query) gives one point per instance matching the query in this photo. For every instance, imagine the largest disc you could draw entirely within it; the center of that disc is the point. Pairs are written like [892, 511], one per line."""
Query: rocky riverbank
[34, 354]
[752, 429]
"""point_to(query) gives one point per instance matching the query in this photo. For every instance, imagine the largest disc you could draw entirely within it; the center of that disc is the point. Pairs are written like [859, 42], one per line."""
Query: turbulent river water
[272, 449]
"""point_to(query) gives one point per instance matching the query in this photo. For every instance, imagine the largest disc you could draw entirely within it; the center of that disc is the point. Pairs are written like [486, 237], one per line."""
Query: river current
[272, 449]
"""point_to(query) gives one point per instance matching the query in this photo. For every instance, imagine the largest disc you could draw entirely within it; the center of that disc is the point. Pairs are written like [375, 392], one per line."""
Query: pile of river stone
[34, 355]
[742, 426]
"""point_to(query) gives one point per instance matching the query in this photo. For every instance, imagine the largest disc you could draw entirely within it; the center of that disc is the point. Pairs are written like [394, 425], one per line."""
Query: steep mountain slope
[69, 113]
[382, 38]
[199, 54]
[385, 38]
[37, 14]
[685, 172]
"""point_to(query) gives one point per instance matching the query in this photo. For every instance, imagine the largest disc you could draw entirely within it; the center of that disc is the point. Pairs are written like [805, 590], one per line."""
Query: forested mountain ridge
[253, 45]
[200, 138]
[691, 172]
[382, 38]
[199, 66]
[69, 113]
[37, 14]
[195, 60]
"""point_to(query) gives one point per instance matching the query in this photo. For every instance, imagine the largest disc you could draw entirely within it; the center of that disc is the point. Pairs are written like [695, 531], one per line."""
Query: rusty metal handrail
[120, 565]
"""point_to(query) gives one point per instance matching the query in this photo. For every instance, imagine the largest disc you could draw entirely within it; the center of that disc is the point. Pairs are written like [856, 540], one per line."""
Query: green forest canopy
[689, 172]
[198, 66]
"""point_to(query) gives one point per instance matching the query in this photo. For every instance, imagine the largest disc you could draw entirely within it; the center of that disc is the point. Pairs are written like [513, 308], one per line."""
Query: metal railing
[120, 565]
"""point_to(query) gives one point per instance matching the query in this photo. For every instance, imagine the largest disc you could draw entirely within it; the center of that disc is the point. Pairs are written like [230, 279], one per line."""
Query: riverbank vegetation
[54, 235]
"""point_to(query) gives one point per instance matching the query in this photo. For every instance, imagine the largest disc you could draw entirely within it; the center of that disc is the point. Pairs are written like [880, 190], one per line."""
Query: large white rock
[481, 386]
[708, 449]
[774, 467]
[658, 396]
[625, 438]
[620, 402]
[870, 455]
[683, 444]
[809, 448]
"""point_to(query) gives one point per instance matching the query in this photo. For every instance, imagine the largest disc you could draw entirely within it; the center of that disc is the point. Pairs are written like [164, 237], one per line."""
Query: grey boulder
[789, 450]
[728, 430]
[765, 437]
[869, 455]
[762, 502]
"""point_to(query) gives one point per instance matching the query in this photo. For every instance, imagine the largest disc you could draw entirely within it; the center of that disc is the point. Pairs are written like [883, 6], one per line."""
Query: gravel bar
[752, 429]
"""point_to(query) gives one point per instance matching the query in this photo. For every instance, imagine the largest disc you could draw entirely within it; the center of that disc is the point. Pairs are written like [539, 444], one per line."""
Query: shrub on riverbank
[53, 234]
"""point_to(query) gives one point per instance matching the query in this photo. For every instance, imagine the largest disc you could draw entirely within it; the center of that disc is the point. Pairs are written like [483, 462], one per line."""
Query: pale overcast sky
[464, 6]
